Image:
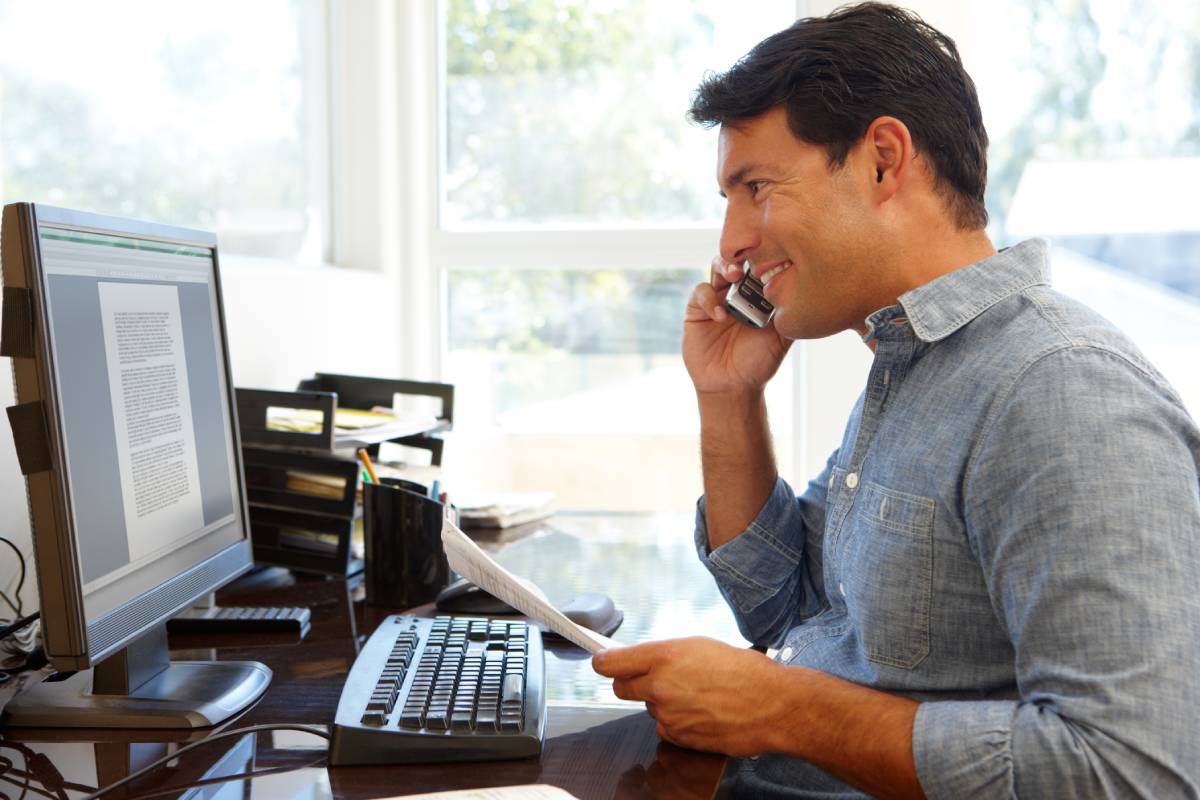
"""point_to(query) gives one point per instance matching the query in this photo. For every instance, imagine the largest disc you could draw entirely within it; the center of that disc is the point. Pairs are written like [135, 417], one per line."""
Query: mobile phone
[746, 303]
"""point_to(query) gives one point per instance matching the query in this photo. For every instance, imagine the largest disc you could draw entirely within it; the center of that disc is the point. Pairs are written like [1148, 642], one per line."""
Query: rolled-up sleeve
[771, 573]
[1082, 504]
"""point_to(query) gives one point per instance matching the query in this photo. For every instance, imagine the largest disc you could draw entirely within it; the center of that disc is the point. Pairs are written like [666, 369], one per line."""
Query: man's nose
[739, 234]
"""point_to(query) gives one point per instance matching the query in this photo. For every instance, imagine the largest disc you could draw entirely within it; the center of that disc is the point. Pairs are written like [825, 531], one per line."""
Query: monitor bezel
[73, 642]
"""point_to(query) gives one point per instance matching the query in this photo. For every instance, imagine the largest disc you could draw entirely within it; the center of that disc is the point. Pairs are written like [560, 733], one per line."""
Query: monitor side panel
[59, 583]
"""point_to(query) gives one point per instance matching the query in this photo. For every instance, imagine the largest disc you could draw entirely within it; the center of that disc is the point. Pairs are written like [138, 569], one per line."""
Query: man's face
[787, 209]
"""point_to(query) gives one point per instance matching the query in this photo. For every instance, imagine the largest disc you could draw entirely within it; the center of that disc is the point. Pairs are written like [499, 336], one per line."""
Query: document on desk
[468, 560]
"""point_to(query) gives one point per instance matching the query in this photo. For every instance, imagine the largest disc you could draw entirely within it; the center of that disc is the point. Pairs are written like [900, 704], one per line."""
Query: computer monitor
[126, 431]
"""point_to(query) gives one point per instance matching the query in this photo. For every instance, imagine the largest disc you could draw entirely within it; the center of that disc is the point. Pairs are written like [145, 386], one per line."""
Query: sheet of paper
[468, 560]
[152, 412]
[532, 792]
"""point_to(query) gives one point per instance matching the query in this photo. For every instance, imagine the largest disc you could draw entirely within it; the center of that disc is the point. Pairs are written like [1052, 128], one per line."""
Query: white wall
[284, 323]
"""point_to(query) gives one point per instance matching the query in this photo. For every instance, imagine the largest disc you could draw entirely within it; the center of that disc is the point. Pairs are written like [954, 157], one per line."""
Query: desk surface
[596, 746]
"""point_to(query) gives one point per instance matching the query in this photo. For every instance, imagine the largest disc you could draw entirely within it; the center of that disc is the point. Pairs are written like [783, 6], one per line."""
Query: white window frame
[426, 251]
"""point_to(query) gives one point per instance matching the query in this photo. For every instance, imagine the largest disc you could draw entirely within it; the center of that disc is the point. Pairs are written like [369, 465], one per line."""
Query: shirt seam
[776, 545]
[972, 312]
[995, 411]
[727, 566]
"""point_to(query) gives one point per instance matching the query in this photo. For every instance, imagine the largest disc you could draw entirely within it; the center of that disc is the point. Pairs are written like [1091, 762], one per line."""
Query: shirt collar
[939, 308]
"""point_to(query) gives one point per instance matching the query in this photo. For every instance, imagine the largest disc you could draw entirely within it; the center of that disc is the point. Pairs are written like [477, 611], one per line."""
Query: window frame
[582, 247]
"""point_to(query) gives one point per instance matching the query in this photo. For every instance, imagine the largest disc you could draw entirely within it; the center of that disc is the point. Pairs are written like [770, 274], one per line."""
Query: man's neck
[927, 259]
[921, 260]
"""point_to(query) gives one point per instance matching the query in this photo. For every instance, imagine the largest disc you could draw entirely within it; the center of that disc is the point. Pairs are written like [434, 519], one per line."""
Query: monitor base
[187, 694]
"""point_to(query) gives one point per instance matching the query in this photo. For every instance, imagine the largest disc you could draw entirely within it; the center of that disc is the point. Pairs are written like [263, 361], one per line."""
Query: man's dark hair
[839, 73]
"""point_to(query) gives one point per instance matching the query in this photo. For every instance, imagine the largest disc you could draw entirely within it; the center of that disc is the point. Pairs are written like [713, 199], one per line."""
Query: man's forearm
[861, 735]
[737, 459]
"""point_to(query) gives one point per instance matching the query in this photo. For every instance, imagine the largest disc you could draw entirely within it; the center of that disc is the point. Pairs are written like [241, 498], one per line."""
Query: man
[990, 590]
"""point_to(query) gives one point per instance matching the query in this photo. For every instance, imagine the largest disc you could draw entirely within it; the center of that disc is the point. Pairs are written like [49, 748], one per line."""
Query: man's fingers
[626, 662]
[705, 303]
[722, 273]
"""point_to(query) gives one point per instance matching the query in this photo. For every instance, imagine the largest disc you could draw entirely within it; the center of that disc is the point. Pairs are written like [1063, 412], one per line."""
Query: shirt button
[786, 655]
[852, 480]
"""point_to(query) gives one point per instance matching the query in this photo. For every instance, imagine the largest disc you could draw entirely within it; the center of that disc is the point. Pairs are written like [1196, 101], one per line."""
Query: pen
[367, 465]
[435, 489]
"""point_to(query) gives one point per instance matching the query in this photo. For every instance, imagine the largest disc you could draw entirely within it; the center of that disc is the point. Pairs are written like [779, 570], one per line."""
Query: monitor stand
[140, 687]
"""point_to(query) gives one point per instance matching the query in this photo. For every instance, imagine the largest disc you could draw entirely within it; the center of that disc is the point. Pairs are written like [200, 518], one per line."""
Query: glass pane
[1095, 130]
[580, 373]
[568, 112]
[191, 114]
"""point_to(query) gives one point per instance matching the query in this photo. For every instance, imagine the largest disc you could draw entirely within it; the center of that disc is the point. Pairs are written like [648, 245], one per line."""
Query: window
[1095, 144]
[578, 208]
[170, 112]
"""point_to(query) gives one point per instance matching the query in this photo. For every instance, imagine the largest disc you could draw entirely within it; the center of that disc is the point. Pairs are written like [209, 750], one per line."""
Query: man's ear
[888, 149]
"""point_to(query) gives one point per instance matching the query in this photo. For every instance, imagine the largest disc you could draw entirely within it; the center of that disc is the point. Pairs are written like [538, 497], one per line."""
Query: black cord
[222, 735]
[28, 774]
[13, 627]
[240, 776]
[39, 766]
[26, 789]
[20, 583]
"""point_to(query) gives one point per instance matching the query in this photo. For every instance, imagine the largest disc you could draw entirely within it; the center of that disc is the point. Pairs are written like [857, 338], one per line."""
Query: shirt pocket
[887, 563]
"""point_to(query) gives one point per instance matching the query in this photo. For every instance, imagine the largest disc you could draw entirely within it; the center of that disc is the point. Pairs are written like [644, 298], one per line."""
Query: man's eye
[754, 186]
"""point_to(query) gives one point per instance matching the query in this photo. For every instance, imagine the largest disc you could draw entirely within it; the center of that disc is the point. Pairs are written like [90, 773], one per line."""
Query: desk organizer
[302, 487]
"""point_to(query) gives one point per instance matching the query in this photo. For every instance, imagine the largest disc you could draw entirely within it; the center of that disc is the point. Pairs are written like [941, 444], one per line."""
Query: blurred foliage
[576, 311]
[554, 113]
[539, 36]
[1065, 47]
[53, 149]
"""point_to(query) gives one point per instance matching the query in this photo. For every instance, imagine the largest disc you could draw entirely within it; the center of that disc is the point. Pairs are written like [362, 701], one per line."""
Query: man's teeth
[773, 272]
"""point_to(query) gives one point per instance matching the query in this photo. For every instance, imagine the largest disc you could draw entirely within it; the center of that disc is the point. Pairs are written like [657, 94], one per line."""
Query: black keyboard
[443, 689]
[241, 619]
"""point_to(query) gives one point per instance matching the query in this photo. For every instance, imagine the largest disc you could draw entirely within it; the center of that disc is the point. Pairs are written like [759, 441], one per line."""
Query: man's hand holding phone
[722, 354]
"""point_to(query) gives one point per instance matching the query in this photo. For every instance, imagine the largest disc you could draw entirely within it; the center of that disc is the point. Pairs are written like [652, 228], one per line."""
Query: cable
[222, 735]
[23, 639]
[39, 766]
[20, 583]
[13, 627]
[239, 776]
[20, 638]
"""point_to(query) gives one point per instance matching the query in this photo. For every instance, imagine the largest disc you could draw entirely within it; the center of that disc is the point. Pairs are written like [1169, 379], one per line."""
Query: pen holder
[404, 561]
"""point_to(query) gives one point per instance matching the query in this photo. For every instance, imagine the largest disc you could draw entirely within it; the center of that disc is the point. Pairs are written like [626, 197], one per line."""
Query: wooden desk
[596, 746]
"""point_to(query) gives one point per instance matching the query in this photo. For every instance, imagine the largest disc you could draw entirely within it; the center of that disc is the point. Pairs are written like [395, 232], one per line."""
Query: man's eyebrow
[738, 176]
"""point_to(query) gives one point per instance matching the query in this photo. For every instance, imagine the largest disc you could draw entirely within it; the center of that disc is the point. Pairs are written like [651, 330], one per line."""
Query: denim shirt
[1008, 534]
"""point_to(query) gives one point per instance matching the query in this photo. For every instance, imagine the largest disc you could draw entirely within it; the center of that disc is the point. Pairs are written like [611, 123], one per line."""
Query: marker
[435, 490]
[367, 465]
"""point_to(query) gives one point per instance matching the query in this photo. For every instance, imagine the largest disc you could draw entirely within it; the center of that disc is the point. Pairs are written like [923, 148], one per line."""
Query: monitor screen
[143, 403]
[137, 507]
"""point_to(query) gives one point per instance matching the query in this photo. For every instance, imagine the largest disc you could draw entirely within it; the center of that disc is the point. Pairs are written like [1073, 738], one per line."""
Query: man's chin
[791, 323]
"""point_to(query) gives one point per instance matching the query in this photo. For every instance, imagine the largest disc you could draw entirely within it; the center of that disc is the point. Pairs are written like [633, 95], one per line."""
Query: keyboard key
[514, 691]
